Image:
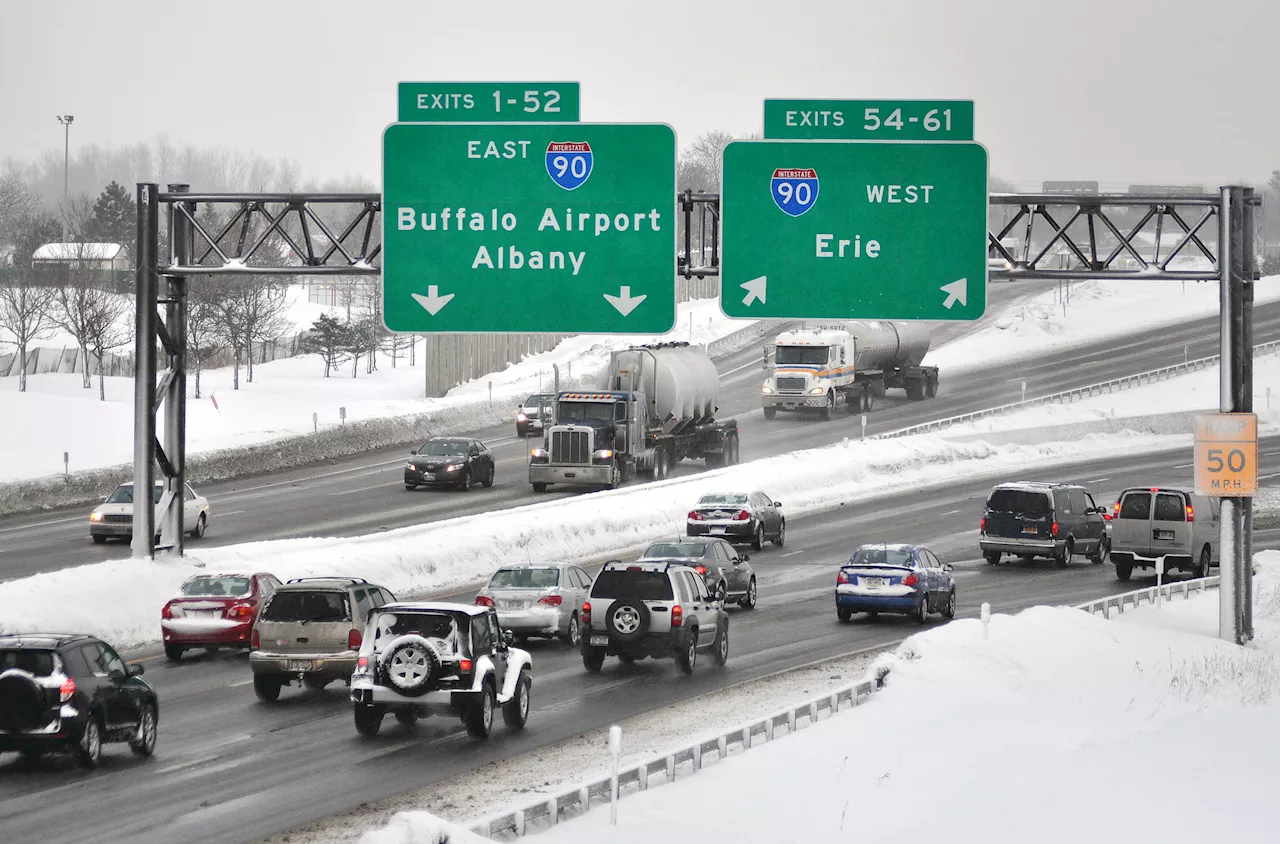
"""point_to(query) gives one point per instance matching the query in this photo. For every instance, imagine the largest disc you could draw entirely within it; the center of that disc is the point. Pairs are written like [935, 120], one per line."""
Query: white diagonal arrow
[957, 291]
[433, 301]
[755, 289]
[625, 303]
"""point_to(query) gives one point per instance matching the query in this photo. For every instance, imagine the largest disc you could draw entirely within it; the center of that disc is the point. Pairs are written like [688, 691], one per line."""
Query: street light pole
[66, 120]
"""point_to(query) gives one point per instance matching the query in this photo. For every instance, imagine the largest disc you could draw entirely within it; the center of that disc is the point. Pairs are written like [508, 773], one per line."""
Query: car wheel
[757, 542]
[407, 715]
[748, 601]
[464, 483]
[1124, 571]
[721, 652]
[368, 718]
[993, 558]
[539, 487]
[770, 412]
[173, 653]
[593, 659]
[1204, 564]
[410, 487]
[480, 716]
[573, 637]
[782, 534]
[202, 524]
[949, 611]
[921, 615]
[515, 712]
[843, 614]
[687, 658]
[89, 750]
[267, 687]
[144, 743]
[488, 481]
[1062, 558]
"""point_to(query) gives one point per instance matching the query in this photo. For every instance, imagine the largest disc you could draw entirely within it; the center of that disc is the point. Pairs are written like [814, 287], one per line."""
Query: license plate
[719, 531]
[299, 665]
[873, 582]
[599, 641]
[1030, 530]
[1164, 534]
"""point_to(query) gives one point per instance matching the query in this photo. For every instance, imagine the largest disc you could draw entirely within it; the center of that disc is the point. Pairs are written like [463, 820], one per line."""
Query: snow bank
[119, 600]
[1058, 714]
[420, 828]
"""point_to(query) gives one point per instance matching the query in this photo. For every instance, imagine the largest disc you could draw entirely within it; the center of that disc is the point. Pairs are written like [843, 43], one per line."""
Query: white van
[1152, 522]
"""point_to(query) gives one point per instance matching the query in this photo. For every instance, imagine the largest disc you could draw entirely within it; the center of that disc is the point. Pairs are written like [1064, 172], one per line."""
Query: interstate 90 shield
[794, 191]
[569, 163]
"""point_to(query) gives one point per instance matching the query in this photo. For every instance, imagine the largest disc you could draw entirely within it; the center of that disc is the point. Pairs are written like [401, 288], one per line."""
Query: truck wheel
[829, 408]
[769, 413]
[538, 486]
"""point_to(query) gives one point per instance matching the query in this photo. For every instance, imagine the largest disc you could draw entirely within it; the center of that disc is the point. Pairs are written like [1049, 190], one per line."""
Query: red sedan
[214, 611]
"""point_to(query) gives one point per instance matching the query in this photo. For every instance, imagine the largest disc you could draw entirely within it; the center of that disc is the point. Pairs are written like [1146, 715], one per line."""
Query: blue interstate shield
[794, 191]
[569, 163]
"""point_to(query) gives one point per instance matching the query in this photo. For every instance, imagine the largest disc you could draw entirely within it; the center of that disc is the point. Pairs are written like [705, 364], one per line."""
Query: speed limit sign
[1227, 455]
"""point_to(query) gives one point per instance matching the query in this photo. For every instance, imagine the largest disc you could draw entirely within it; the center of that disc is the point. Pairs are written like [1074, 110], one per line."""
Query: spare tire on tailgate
[22, 702]
[410, 665]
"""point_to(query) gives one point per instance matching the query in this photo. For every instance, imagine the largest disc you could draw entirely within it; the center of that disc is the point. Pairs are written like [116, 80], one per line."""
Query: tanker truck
[847, 364]
[653, 407]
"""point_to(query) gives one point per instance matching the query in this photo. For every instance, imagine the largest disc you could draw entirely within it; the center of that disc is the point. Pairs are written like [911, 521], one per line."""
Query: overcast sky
[1121, 91]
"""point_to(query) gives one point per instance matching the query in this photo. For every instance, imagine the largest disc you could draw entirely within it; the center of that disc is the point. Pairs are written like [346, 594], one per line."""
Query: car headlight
[95, 516]
[452, 467]
[767, 390]
[817, 391]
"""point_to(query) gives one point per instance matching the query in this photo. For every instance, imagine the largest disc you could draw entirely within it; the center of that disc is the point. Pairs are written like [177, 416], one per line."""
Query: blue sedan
[902, 579]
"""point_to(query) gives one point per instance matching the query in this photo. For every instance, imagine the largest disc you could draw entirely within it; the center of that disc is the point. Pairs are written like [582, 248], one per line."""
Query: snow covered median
[1058, 714]
[121, 600]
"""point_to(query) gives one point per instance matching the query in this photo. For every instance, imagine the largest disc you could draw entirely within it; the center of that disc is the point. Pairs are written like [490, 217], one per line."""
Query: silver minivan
[1177, 524]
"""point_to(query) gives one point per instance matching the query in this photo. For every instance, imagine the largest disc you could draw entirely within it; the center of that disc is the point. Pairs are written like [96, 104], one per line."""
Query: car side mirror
[136, 668]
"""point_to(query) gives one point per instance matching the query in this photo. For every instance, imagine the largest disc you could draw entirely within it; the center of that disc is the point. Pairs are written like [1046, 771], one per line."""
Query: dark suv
[62, 691]
[1032, 519]
[652, 609]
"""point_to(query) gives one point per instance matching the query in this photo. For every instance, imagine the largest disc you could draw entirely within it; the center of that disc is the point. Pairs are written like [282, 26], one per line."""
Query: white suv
[652, 609]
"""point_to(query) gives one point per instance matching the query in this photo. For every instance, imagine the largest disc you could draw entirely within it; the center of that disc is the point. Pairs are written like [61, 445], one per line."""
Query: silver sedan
[538, 599]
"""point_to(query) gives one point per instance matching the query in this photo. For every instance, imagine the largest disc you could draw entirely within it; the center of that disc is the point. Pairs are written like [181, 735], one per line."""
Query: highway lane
[365, 495]
[229, 769]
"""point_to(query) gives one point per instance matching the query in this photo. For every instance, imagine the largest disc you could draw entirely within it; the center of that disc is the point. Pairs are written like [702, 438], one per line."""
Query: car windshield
[881, 557]
[525, 578]
[215, 587]
[1023, 501]
[441, 448]
[313, 605]
[724, 499]
[679, 550]
[124, 494]
[645, 585]
[811, 355]
[37, 662]
[580, 411]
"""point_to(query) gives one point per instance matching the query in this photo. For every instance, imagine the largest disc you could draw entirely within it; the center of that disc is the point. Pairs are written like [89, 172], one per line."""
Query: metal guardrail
[1167, 591]
[552, 809]
[1102, 388]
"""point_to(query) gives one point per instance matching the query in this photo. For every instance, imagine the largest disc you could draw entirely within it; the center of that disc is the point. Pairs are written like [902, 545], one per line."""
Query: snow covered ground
[1097, 310]
[57, 415]
[1059, 727]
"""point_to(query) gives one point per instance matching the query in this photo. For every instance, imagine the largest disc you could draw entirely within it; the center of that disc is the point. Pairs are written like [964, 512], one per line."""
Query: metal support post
[172, 528]
[144, 381]
[1247, 261]
[1231, 540]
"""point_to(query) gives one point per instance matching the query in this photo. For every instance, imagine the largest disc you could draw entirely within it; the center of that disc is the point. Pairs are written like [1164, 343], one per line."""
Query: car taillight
[353, 640]
[167, 612]
[1054, 530]
[842, 577]
[67, 689]
[1191, 513]
[253, 640]
[695, 516]
[910, 580]
[677, 615]
[551, 600]
[586, 613]
[240, 611]
[464, 666]
[700, 569]
[741, 516]
[484, 601]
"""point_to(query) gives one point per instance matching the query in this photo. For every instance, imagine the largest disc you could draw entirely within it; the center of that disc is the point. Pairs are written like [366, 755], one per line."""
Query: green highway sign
[854, 230]
[868, 120]
[529, 228]
[488, 102]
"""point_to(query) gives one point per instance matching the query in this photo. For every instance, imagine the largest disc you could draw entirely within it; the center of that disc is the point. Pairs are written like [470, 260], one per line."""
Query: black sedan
[63, 691]
[739, 517]
[449, 461]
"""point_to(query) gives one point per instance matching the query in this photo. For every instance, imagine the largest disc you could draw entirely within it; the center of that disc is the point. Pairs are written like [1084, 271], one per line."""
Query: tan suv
[310, 631]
